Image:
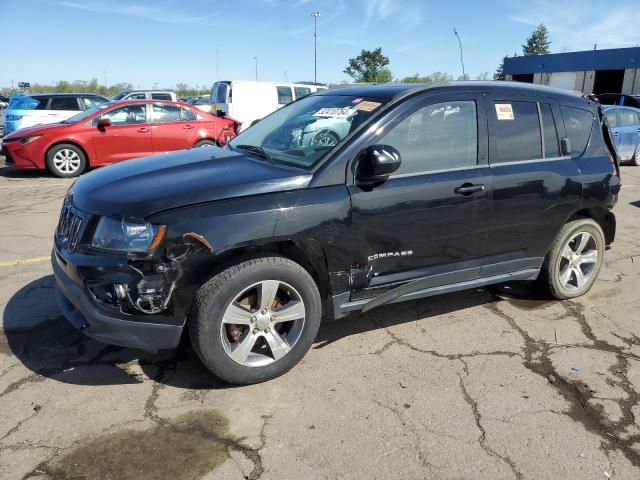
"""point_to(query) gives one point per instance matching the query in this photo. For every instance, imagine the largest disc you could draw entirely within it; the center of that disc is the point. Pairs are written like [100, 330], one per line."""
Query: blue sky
[167, 42]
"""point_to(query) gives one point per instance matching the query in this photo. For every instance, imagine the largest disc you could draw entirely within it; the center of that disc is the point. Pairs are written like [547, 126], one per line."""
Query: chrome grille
[70, 227]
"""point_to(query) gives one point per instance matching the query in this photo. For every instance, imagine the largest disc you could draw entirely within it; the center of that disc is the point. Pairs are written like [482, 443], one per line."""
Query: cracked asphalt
[495, 383]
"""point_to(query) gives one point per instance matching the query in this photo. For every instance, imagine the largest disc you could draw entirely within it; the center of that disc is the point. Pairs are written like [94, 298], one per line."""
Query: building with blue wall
[615, 70]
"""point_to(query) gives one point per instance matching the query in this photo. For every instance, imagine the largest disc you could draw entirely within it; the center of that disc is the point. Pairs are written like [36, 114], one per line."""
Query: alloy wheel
[578, 261]
[263, 323]
[66, 161]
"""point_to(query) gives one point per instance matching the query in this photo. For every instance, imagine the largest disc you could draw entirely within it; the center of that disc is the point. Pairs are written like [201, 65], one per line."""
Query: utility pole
[464, 75]
[104, 75]
[315, 16]
[217, 62]
[256, 59]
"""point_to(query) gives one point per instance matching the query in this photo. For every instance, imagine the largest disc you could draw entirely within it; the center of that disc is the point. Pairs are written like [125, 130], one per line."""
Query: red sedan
[113, 132]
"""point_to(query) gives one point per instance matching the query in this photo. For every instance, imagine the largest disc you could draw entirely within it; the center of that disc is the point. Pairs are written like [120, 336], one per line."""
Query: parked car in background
[432, 189]
[202, 102]
[168, 95]
[624, 123]
[42, 109]
[248, 102]
[4, 101]
[113, 132]
[617, 99]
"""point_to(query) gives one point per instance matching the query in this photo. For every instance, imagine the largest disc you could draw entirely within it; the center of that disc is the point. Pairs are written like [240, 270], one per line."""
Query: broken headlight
[122, 236]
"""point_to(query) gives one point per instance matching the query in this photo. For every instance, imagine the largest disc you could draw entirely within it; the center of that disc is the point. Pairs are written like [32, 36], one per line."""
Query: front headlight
[27, 140]
[123, 236]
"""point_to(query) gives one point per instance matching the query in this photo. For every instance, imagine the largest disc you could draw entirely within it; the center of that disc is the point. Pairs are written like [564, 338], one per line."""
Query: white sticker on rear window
[340, 112]
[504, 111]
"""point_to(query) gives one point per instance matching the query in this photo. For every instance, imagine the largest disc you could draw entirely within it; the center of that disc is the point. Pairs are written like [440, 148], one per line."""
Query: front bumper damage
[109, 324]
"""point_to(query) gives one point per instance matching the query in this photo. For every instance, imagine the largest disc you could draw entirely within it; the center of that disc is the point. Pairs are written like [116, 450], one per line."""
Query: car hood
[136, 189]
[36, 130]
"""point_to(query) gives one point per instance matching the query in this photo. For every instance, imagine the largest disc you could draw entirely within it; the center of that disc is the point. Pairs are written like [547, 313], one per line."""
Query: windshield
[304, 132]
[87, 113]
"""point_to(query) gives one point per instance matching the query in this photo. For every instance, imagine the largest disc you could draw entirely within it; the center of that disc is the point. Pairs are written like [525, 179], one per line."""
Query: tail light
[236, 126]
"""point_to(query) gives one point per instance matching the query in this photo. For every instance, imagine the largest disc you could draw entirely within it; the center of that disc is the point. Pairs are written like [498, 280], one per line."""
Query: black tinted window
[301, 91]
[42, 102]
[516, 133]
[437, 137]
[549, 132]
[64, 103]
[284, 95]
[161, 96]
[578, 124]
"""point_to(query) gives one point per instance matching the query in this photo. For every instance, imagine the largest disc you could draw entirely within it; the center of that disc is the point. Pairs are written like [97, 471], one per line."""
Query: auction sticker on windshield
[367, 106]
[335, 112]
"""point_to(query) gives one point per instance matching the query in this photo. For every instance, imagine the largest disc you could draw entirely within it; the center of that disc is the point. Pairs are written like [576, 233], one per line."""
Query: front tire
[574, 260]
[635, 160]
[66, 160]
[204, 143]
[255, 320]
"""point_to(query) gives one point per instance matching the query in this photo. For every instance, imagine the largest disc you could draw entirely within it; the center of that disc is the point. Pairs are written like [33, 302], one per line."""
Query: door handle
[469, 189]
[143, 130]
[187, 127]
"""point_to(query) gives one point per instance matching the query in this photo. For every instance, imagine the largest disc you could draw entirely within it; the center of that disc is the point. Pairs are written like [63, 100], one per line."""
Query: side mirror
[220, 113]
[376, 164]
[104, 122]
[565, 146]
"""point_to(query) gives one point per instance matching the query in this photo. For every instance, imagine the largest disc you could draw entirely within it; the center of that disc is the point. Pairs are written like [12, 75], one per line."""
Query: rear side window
[188, 115]
[301, 91]
[165, 114]
[612, 118]
[516, 133]
[549, 132]
[42, 103]
[284, 95]
[161, 96]
[436, 137]
[578, 123]
[64, 103]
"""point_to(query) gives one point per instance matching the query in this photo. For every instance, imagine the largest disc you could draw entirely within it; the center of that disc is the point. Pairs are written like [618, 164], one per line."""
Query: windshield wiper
[257, 150]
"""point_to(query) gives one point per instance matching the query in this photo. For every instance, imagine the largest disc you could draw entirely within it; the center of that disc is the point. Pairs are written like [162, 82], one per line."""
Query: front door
[628, 132]
[429, 218]
[129, 135]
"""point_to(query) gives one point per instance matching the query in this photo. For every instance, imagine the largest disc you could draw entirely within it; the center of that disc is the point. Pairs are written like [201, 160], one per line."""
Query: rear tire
[204, 143]
[635, 160]
[255, 320]
[66, 160]
[574, 260]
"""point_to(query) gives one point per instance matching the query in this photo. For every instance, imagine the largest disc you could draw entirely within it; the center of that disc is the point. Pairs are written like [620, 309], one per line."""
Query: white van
[248, 101]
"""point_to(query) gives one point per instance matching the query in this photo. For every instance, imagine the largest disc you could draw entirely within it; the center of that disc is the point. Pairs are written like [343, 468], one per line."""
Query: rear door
[170, 130]
[61, 108]
[129, 135]
[429, 219]
[628, 132]
[613, 119]
[535, 187]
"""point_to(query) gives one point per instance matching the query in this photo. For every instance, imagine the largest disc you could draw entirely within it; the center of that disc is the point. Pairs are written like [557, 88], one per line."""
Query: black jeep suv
[342, 201]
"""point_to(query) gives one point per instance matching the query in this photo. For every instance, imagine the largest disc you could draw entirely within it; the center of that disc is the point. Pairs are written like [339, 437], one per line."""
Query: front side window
[516, 131]
[165, 113]
[64, 103]
[137, 96]
[129, 115]
[436, 137]
[578, 123]
[301, 134]
[90, 102]
[202, 101]
[628, 118]
[284, 95]
[612, 118]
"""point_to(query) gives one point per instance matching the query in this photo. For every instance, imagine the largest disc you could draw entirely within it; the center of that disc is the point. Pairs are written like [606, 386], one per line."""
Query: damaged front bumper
[109, 323]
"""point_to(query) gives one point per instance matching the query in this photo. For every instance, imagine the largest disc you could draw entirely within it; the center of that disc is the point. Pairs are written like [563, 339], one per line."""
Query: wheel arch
[216, 142]
[601, 215]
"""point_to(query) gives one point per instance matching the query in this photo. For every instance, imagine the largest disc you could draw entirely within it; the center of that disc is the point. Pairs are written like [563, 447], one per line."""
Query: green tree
[499, 73]
[416, 79]
[369, 66]
[538, 42]
[483, 76]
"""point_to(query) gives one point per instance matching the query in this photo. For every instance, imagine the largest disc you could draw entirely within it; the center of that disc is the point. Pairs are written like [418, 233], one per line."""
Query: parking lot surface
[486, 384]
